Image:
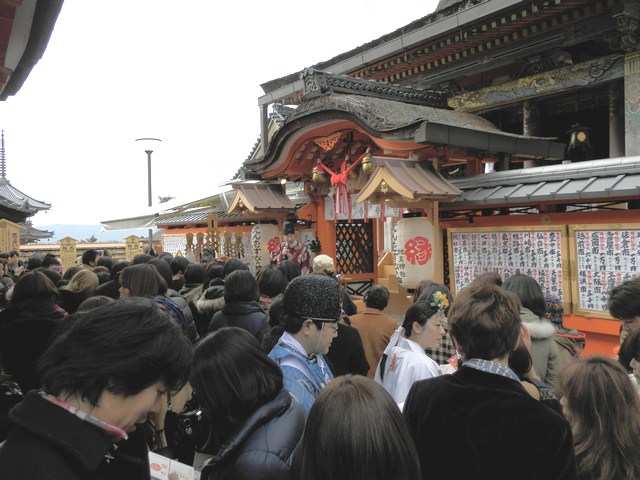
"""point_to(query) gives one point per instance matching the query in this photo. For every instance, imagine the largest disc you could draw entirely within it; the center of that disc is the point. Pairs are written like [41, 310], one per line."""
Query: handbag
[191, 426]
[10, 396]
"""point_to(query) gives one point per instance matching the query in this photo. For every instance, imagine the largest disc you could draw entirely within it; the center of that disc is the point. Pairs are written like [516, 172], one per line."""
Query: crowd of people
[279, 374]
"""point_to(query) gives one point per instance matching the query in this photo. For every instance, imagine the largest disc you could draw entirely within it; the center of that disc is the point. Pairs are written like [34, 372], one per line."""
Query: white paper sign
[161, 467]
[357, 210]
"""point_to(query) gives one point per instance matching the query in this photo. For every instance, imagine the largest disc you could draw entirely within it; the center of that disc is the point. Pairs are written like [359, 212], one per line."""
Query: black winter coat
[473, 425]
[26, 331]
[49, 443]
[264, 446]
[190, 329]
[347, 352]
[247, 315]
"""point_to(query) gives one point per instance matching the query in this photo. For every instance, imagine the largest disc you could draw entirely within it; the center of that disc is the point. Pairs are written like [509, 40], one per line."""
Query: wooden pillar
[188, 249]
[68, 252]
[326, 231]
[530, 125]
[199, 246]
[616, 120]
[212, 234]
[632, 104]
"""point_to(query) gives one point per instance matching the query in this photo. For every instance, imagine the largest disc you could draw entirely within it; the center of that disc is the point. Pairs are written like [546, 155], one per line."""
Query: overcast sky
[187, 72]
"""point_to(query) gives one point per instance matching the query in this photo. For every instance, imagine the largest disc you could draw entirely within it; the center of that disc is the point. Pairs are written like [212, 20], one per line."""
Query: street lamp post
[148, 142]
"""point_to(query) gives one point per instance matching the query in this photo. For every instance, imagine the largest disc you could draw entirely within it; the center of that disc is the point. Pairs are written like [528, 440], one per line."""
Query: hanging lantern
[366, 165]
[413, 251]
[265, 239]
[318, 175]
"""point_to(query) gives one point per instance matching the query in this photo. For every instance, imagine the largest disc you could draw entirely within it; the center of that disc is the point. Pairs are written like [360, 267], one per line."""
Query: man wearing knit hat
[311, 307]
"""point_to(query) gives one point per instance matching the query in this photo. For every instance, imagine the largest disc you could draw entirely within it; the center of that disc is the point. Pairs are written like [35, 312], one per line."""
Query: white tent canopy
[143, 217]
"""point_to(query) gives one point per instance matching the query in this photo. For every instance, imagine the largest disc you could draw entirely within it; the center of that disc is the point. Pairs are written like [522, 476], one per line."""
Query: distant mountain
[83, 232]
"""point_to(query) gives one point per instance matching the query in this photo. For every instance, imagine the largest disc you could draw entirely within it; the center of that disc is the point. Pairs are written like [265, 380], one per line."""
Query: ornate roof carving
[317, 83]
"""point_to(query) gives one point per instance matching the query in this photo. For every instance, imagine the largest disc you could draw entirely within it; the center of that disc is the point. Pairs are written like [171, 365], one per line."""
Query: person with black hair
[178, 265]
[629, 358]
[446, 352]
[193, 278]
[271, 282]
[52, 262]
[544, 350]
[241, 307]
[406, 361]
[27, 325]
[105, 261]
[101, 379]
[90, 258]
[111, 288]
[210, 299]
[289, 268]
[144, 280]
[15, 268]
[256, 426]
[374, 326]
[164, 270]
[624, 305]
[311, 307]
[292, 249]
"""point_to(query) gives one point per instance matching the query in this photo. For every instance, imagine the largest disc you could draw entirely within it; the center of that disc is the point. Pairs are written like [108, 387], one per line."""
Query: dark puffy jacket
[264, 446]
[247, 315]
[190, 328]
[25, 333]
[49, 443]
[209, 302]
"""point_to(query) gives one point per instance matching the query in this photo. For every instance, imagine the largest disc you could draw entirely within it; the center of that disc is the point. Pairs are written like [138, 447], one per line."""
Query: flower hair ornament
[440, 302]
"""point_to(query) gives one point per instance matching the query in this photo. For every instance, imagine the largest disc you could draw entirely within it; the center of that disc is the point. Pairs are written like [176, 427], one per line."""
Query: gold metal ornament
[366, 165]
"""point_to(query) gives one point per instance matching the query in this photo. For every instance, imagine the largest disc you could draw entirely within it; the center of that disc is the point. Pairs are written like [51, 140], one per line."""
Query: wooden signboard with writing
[602, 256]
[538, 251]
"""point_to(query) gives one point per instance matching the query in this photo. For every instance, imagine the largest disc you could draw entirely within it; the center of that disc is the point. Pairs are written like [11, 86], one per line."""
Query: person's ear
[416, 328]
[306, 327]
[456, 345]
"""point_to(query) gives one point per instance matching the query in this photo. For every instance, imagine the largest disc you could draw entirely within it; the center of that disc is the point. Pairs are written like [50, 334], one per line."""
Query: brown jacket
[375, 330]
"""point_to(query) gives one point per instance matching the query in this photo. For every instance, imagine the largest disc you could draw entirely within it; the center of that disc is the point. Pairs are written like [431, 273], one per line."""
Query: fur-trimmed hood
[211, 301]
[539, 328]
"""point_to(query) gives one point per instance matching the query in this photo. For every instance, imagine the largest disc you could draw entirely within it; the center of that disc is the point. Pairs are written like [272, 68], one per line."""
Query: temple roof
[18, 205]
[390, 122]
[608, 179]
[13, 198]
[26, 28]
[33, 235]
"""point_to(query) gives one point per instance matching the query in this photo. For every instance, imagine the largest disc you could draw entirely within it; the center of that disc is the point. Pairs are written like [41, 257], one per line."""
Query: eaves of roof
[390, 119]
[13, 198]
[200, 217]
[40, 26]
[433, 25]
[607, 179]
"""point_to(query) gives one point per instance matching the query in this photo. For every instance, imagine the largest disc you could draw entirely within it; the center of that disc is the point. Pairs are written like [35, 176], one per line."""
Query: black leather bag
[10, 396]
[191, 426]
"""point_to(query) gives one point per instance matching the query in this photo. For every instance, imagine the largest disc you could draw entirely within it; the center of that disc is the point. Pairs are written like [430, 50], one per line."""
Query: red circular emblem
[418, 250]
[273, 244]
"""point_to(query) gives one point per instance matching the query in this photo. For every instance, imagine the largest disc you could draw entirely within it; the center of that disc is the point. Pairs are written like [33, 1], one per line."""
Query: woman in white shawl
[405, 360]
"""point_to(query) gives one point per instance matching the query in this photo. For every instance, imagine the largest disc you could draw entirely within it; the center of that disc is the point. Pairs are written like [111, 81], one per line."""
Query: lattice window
[354, 247]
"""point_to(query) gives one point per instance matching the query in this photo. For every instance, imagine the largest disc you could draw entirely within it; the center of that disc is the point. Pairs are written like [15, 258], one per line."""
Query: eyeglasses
[333, 327]
[328, 323]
